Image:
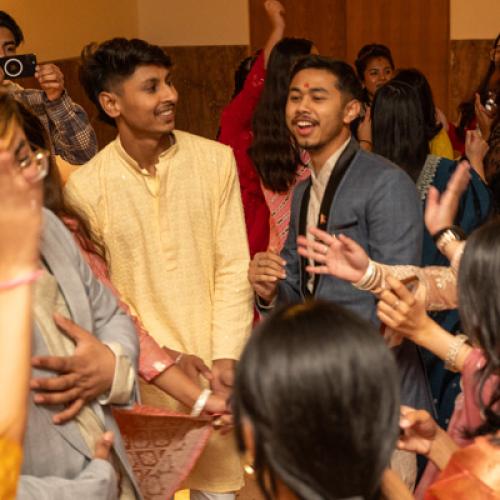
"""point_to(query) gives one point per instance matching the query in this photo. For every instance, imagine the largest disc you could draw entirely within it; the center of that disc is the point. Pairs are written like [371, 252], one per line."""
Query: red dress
[236, 131]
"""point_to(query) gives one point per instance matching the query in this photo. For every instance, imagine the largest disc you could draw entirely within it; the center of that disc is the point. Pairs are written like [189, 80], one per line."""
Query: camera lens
[13, 67]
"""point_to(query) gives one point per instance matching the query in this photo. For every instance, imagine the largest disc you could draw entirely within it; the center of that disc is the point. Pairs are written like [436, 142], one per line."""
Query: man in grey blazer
[59, 463]
[351, 191]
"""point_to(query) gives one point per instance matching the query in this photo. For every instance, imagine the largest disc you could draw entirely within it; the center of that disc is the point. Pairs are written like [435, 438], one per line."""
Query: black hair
[241, 73]
[8, 22]
[479, 307]
[108, 64]
[347, 83]
[419, 82]
[309, 384]
[398, 127]
[467, 108]
[53, 198]
[272, 150]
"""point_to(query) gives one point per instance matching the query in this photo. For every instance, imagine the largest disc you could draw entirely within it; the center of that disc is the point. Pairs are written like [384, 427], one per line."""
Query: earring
[249, 470]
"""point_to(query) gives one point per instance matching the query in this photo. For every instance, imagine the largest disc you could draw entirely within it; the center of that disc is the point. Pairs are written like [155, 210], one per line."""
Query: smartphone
[20, 66]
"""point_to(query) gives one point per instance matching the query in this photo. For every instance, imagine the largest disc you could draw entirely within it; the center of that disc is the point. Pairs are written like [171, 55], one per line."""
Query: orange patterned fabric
[162, 447]
[10, 465]
[473, 473]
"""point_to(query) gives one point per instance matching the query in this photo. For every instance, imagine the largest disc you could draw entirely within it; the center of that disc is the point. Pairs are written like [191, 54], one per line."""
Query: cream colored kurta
[178, 254]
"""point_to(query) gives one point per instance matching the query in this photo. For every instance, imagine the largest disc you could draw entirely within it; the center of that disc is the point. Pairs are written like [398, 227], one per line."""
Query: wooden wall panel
[468, 64]
[203, 76]
[322, 21]
[416, 31]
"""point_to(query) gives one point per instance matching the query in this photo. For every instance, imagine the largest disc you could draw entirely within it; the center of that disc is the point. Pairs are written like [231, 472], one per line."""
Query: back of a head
[368, 52]
[309, 383]
[479, 307]
[108, 64]
[6, 21]
[398, 128]
[272, 152]
[417, 80]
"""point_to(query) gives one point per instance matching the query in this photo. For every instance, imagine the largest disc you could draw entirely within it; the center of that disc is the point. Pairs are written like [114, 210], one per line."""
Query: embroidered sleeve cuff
[123, 380]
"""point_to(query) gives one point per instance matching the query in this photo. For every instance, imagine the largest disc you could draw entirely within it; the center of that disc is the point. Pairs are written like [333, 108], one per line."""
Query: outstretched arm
[276, 14]
[20, 225]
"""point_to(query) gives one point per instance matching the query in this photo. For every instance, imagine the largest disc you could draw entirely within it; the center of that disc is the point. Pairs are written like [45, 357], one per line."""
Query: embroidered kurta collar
[134, 166]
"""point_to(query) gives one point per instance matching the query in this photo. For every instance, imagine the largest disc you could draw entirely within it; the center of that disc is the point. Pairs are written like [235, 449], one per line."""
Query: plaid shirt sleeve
[71, 134]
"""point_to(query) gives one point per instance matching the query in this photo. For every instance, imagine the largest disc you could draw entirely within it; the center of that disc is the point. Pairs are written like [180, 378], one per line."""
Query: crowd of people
[320, 282]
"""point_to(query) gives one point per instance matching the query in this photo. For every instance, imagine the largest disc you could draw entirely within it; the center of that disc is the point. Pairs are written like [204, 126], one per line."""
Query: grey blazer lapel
[69, 431]
[68, 279]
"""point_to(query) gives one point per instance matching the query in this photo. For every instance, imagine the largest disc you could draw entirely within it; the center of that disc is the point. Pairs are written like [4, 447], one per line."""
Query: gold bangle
[450, 362]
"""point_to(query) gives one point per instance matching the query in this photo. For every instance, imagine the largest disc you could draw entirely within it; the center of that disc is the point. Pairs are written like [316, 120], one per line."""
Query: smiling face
[377, 73]
[143, 104]
[317, 113]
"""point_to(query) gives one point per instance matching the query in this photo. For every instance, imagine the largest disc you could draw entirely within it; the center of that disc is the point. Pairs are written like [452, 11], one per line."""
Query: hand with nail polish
[80, 378]
[264, 273]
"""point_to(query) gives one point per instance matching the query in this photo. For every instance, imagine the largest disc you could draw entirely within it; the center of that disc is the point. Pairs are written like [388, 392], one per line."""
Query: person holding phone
[71, 134]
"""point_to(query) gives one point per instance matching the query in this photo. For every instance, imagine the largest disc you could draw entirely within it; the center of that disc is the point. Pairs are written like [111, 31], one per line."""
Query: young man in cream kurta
[167, 206]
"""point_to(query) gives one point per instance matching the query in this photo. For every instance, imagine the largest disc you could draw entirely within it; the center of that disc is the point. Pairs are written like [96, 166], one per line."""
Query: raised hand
[441, 209]
[475, 150]
[51, 80]
[276, 13]
[339, 255]
[484, 118]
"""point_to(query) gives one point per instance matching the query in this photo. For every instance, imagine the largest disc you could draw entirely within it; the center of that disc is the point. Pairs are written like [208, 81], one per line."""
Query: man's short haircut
[6, 21]
[369, 52]
[347, 82]
[108, 64]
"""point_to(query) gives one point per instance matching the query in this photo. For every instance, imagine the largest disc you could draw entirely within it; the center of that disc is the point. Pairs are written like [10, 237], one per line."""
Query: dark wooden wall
[468, 64]
[202, 75]
[417, 31]
[322, 21]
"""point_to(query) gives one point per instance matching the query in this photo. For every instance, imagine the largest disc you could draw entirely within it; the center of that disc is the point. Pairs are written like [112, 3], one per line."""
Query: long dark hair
[479, 307]
[53, 198]
[419, 82]
[309, 384]
[466, 108]
[398, 127]
[273, 153]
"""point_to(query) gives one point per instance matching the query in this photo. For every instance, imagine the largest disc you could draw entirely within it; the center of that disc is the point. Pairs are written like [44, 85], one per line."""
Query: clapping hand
[441, 209]
[339, 255]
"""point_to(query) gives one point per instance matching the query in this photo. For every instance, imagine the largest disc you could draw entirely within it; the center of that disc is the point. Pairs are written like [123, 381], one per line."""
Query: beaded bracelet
[200, 403]
[452, 354]
[25, 279]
